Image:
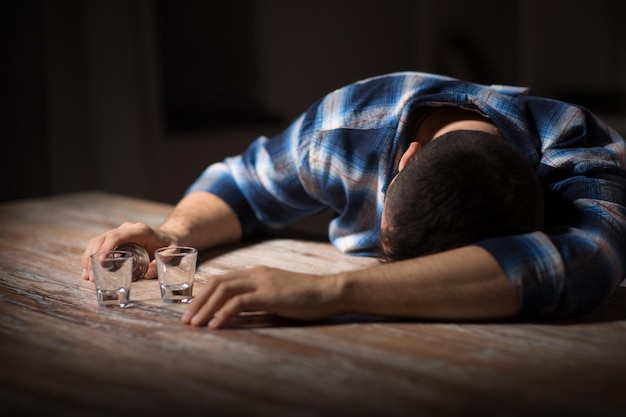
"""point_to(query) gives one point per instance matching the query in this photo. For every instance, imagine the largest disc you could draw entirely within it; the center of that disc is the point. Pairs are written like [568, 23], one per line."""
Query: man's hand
[200, 219]
[139, 233]
[287, 294]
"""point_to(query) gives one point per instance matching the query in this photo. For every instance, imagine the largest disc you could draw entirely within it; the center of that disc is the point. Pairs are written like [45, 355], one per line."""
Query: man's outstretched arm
[461, 284]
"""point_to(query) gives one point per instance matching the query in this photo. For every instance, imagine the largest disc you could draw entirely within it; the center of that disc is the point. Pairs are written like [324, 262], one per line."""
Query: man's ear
[412, 150]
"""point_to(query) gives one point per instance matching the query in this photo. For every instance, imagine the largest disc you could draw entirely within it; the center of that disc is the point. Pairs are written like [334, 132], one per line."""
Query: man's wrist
[171, 235]
[339, 288]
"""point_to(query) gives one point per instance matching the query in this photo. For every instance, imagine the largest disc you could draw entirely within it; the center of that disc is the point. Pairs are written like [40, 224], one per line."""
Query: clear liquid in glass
[176, 293]
[114, 298]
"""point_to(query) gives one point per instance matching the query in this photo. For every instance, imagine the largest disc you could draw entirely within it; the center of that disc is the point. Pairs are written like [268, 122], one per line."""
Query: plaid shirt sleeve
[578, 260]
[262, 185]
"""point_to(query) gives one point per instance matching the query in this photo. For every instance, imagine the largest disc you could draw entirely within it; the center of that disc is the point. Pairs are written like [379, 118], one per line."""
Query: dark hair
[463, 187]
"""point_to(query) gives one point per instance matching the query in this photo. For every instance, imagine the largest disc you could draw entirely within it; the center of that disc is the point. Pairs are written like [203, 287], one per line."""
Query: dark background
[138, 96]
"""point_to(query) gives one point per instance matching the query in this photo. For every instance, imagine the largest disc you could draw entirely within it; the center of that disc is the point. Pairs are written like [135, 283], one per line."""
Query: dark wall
[80, 110]
[24, 162]
[138, 96]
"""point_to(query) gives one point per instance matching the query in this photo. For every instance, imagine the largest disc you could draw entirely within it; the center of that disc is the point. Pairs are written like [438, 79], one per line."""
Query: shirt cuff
[534, 266]
[218, 181]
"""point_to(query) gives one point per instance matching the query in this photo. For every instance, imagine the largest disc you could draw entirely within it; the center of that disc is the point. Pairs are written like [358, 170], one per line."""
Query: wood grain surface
[62, 354]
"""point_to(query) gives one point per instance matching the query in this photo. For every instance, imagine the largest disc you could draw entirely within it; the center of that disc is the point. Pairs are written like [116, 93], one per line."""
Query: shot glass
[112, 272]
[176, 268]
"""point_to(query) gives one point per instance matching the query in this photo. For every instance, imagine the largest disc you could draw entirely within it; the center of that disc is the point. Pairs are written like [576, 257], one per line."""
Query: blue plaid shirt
[344, 150]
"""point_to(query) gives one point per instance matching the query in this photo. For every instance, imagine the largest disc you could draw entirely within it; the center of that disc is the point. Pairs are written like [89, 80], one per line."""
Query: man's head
[463, 187]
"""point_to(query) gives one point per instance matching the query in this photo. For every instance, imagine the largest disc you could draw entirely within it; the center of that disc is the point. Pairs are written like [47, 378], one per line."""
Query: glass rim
[183, 250]
[124, 254]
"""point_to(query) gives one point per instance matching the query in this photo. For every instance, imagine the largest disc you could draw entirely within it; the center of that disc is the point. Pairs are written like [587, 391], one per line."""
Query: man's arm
[464, 283]
[461, 284]
[200, 219]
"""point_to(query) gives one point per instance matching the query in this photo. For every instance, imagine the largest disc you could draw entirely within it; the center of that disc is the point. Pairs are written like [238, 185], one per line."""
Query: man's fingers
[85, 260]
[99, 244]
[230, 309]
[198, 301]
[214, 297]
[217, 298]
[151, 273]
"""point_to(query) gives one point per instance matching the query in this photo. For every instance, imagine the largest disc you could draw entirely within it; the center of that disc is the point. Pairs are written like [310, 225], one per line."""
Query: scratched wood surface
[61, 354]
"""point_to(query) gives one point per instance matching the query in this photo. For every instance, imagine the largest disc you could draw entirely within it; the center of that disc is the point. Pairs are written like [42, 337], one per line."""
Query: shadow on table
[209, 254]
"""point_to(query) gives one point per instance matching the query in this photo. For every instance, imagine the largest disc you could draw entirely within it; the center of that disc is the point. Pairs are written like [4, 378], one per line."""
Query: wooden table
[61, 354]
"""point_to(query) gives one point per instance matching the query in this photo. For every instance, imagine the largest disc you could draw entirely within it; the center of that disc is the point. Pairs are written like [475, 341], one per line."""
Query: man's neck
[453, 118]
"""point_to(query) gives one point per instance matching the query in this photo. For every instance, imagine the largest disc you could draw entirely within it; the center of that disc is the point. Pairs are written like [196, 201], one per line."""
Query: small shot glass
[112, 272]
[176, 268]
